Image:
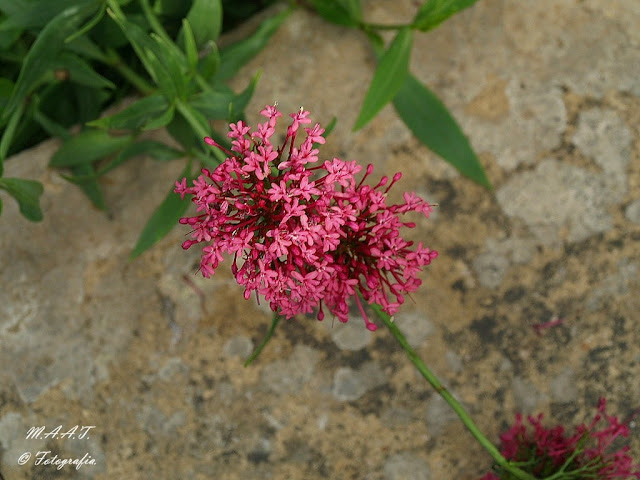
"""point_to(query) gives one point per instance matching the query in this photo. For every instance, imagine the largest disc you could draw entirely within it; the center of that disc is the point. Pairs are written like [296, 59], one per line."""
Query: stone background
[151, 354]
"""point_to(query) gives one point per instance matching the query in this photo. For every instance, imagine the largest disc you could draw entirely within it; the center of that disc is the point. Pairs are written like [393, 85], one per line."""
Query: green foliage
[64, 62]
[432, 124]
[389, 77]
[27, 194]
[423, 113]
[434, 12]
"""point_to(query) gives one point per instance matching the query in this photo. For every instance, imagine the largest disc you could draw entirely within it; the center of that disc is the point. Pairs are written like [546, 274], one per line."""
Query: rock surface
[152, 355]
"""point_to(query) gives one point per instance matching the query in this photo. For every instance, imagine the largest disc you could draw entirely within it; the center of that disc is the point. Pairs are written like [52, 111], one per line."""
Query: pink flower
[305, 237]
[544, 451]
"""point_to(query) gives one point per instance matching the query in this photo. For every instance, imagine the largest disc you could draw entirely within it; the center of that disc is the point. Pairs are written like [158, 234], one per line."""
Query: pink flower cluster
[303, 234]
[585, 454]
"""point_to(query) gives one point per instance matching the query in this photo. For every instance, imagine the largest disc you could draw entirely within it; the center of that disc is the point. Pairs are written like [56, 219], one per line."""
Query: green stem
[453, 403]
[186, 113]
[136, 80]
[272, 329]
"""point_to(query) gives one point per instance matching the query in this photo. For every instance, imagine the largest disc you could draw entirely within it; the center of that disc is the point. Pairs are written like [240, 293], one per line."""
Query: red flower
[545, 451]
[302, 236]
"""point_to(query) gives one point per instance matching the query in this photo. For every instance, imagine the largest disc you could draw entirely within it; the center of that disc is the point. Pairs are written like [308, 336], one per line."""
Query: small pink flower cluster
[306, 236]
[585, 454]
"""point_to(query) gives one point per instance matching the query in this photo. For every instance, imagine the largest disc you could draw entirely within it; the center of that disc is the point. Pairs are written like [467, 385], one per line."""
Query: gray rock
[238, 346]
[563, 386]
[632, 212]
[351, 336]
[526, 396]
[406, 466]
[290, 375]
[415, 326]
[350, 384]
[547, 199]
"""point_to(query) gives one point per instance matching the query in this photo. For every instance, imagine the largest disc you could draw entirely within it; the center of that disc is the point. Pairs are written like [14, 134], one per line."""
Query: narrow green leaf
[173, 61]
[152, 148]
[6, 87]
[27, 193]
[135, 115]
[182, 132]
[162, 221]
[89, 25]
[162, 120]
[205, 18]
[209, 61]
[223, 103]
[80, 71]
[44, 50]
[197, 120]
[430, 121]
[434, 12]
[240, 102]
[9, 132]
[50, 126]
[84, 176]
[9, 37]
[389, 77]
[86, 147]
[340, 12]
[235, 56]
[36, 14]
[214, 104]
[190, 47]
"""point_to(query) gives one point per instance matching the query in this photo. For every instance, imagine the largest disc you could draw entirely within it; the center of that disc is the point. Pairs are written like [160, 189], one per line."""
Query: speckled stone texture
[548, 92]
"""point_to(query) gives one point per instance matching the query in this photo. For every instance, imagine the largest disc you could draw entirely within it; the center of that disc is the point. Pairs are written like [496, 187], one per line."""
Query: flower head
[303, 235]
[587, 453]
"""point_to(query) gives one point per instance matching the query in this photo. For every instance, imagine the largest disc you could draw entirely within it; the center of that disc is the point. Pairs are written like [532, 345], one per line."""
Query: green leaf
[86, 147]
[50, 126]
[162, 120]
[205, 19]
[153, 148]
[27, 193]
[430, 121]
[182, 132]
[164, 62]
[240, 102]
[434, 12]
[42, 53]
[340, 12]
[6, 87]
[190, 47]
[174, 63]
[235, 56]
[223, 103]
[389, 77]
[9, 132]
[209, 61]
[135, 115]
[214, 104]
[84, 177]
[9, 37]
[80, 71]
[162, 221]
[36, 14]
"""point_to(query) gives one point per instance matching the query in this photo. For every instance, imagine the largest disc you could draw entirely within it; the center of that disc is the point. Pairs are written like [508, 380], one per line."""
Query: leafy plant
[64, 62]
[419, 108]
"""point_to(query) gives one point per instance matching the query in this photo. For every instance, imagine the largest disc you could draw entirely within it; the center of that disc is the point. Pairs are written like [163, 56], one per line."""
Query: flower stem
[272, 329]
[453, 403]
